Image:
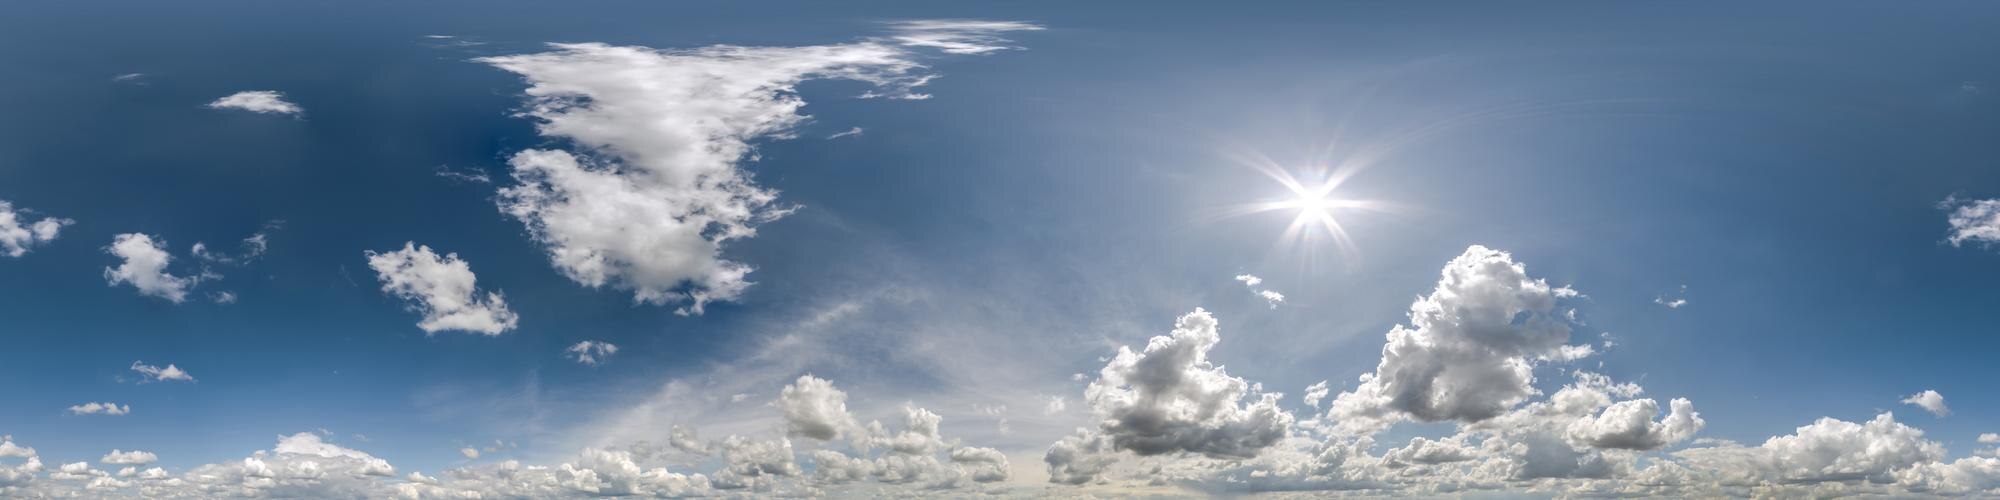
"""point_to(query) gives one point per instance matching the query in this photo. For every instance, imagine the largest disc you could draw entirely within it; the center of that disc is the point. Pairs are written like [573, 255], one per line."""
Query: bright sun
[1315, 209]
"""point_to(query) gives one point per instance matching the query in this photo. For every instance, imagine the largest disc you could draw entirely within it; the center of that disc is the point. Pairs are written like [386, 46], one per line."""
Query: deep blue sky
[1782, 161]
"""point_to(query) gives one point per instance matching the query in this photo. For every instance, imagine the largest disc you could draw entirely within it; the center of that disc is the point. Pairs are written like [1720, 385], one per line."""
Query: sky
[512, 249]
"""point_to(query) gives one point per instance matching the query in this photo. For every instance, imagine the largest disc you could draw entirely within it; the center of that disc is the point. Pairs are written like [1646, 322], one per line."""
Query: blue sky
[970, 209]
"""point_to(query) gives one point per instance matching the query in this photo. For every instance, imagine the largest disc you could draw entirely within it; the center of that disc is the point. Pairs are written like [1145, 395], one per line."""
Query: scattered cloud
[849, 132]
[655, 188]
[469, 452]
[152, 373]
[467, 175]
[591, 352]
[1972, 221]
[1930, 401]
[1269, 296]
[443, 289]
[132, 78]
[145, 268]
[1673, 303]
[95, 408]
[16, 238]
[257, 101]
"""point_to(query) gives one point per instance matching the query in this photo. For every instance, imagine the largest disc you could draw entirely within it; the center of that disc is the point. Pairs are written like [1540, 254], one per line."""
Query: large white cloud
[17, 235]
[1468, 352]
[443, 289]
[814, 408]
[1170, 398]
[145, 268]
[654, 188]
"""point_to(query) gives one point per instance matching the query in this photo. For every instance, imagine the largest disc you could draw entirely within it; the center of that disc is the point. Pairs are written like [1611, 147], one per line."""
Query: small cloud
[132, 78]
[469, 452]
[958, 36]
[1055, 405]
[1673, 303]
[591, 352]
[468, 175]
[257, 101]
[1270, 296]
[157, 374]
[223, 297]
[95, 408]
[1930, 401]
[134, 457]
[1975, 221]
[849, 132]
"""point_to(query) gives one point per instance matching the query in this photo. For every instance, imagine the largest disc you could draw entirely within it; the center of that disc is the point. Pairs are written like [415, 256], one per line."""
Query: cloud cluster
[591, 352]
[443, 289]
[654, 187]
[17, 235]
[1972, 221]
[257, 101]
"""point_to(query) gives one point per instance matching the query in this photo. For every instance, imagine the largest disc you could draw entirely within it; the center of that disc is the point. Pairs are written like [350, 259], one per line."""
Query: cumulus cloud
[655, 187]
[134, 457]
[152, 373]
[814, 408]
[17, 236]
[257, 101]
[1930, 401]
[1972, 221]
[591, 352]
[1316, 393]
[443, 289]
[1468, 352]
[94, 408]
[1168, 399]
[1630, 425]
[145, 268]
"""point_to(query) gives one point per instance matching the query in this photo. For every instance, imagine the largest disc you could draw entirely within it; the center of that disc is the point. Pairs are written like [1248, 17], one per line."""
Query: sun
[1316, 207]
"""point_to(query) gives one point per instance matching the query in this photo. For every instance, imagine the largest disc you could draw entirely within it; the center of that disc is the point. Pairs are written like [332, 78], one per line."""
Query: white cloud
[443, 289]
[1251, 281]
[1055, 405]
[1468, 352]
[1989, 438]
[17, 236]
[1673, 303]
[1316, 393]
[94, 408]
[157, 374]
[1930, 401]
[591, 352]
[1629, 425]
[469, 452]
[848, 132]
[958, 36]
[145, 268]
[1975, 221]
[814, 408]
[134, 457]
[259, 101]
[654, 188]
[1170, 398]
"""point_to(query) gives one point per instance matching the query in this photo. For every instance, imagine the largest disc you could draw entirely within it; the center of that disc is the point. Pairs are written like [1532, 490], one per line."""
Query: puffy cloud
[654, 188]
[10, 450]
[1467, 353]
[443, 289]
[95, 408]
[1827, 450]
[157, 374]
[134, 457]
[814, 408]
[17, 235]
[258, 101]
[469, 452]
[1629, 425]
[1171, 398]
[1316, 393]
[591, 352]
[1251, 281]
[1974, 221]
[1930, 401]
[145, 268]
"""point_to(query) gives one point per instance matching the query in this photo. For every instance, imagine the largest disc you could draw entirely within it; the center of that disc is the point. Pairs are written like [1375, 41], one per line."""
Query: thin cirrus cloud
[655, 188]
[441, 288]
[257, 101]
[17, 236]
